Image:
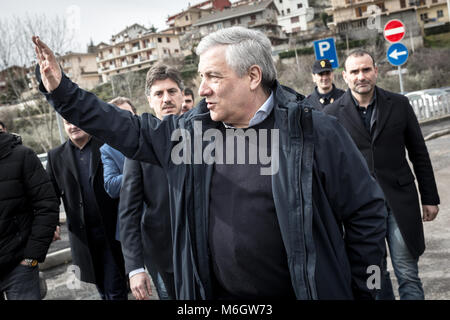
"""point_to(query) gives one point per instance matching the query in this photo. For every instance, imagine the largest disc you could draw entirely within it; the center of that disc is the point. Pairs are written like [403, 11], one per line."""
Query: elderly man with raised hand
[310, 227]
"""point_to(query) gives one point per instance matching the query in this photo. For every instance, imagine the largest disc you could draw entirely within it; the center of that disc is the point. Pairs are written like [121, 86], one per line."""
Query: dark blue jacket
[331, 212]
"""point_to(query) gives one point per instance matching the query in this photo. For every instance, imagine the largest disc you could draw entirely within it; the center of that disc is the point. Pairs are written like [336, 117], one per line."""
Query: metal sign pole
[400, 78]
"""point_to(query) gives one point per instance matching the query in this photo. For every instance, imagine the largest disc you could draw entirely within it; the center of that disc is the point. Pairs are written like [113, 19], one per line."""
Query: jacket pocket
[406, 179]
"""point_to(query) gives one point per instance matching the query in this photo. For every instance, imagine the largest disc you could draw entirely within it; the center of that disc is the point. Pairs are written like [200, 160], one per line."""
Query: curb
[437, 134]
[56, 258]
[433, 120]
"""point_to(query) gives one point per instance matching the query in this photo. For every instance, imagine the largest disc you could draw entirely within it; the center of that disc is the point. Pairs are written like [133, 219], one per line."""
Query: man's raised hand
[50, 70]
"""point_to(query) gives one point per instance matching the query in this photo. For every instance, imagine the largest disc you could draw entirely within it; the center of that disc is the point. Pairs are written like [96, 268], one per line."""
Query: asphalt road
[434, 265]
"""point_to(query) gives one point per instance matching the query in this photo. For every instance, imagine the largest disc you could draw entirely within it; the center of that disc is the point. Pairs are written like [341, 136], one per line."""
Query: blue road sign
[397, 54]
[326, 49]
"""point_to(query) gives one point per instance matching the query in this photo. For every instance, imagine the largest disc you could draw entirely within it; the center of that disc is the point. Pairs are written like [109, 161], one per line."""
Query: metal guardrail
[425, 108]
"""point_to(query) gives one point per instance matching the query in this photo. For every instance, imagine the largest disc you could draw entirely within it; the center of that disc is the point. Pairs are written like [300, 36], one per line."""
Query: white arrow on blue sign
[397, 54]
[326, 49]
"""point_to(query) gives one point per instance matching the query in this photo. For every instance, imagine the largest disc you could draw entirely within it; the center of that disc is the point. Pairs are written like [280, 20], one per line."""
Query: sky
[98, 19]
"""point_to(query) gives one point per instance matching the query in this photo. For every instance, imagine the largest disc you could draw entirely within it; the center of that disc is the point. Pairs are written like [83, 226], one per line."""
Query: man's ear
[255, 76]
[344, 76]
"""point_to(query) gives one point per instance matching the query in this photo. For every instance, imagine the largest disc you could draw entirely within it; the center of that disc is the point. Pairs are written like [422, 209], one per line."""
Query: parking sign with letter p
[326, 49]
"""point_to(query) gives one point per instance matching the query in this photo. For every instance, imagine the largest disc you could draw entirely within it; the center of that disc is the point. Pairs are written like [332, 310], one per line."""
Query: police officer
[325, 91]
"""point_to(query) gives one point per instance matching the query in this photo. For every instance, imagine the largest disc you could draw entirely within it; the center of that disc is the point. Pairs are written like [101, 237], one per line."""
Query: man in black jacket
[325, 91]
[76, 170]
[383, 125]
[144, 211]
[29, 213]
[303, 219]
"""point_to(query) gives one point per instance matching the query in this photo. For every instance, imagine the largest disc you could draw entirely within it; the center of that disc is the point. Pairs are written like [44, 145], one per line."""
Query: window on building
[288, 10]
[440, 13]
[253, 17]
[380, 5]
[168, 39]
[176, 51]
[239, 20]
[299, 5]
[187, 18]
[282, 12]
[422, 2]
[358, 12]
[295, 19]
[159, 40]
[424, 16]
[281, 1]
[402, 3]
[233, 22]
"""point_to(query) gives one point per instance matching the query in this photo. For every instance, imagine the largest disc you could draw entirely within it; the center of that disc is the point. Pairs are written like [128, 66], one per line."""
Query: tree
[17, 53]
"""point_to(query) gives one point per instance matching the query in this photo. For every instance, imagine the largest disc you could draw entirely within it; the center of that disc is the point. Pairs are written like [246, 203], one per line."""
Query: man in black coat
[325, 91]
[144, 211]
[28, 216]
[383, 125]
[76, 171]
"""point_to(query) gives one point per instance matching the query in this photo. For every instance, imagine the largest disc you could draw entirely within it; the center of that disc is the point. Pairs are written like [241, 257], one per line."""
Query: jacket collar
[285, 103]
[384, 108]
[286, 109]
[68, 157]
[351, 114]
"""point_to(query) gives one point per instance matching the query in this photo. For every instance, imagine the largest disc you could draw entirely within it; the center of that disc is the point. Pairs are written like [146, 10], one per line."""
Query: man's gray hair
[245, 48]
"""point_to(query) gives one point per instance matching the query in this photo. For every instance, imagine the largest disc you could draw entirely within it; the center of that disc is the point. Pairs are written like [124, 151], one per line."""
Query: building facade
[81, 68]
[364, 19]
[135, 48]
[183, 21]
[293, 15]
[432, 13]
[260, 15]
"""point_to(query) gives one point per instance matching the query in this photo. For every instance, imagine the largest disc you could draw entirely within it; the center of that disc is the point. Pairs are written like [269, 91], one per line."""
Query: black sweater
[248, 254]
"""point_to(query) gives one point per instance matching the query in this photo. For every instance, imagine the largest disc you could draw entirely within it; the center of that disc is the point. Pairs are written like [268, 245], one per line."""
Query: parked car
[429, 102]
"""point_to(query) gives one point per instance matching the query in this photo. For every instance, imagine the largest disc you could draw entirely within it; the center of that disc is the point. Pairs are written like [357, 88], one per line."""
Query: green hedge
[436, 30]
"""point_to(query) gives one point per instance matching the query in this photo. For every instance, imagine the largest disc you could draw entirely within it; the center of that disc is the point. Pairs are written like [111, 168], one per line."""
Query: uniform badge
[322, 100]
[322, 64]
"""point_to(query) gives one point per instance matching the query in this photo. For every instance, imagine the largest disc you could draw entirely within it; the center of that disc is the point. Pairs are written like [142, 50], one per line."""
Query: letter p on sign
[323, 46]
